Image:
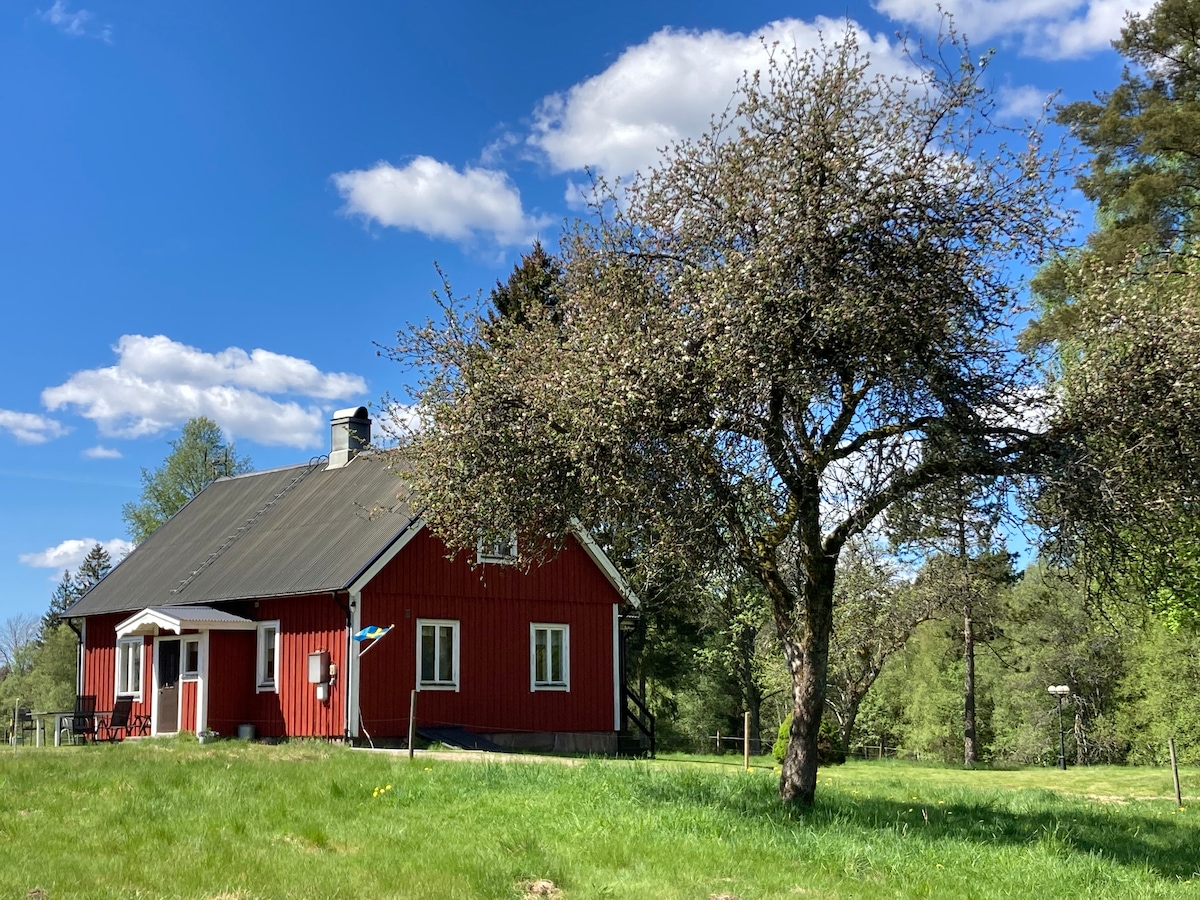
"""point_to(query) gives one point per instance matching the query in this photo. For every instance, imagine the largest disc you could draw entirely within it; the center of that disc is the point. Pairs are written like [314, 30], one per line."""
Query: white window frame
[264, 684]
[124, 662]
[547, 685]
[497, 550]
[186, 674]
[437, 625]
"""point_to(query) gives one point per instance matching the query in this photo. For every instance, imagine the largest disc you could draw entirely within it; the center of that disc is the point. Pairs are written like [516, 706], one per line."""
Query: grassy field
[233, 820]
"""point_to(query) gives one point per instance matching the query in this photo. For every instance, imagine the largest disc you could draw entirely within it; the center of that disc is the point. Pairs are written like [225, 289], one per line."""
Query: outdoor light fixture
[1058, 691]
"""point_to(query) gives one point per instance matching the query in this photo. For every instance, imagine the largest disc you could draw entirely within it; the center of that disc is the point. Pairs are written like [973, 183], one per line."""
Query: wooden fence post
[746, 740]
[412, 721]
[1175, 771]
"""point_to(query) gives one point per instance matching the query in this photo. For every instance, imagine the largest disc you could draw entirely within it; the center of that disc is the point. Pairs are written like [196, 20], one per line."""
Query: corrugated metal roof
[296, 530]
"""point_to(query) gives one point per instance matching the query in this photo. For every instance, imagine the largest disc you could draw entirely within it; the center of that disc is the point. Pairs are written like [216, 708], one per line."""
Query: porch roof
[176, 618]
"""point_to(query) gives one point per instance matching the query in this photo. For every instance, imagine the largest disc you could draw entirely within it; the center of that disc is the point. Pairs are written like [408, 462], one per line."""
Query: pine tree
[64, 596]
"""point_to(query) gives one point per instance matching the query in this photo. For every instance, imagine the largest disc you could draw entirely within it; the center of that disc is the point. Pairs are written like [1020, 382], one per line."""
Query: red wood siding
[306, 624]
[494, 605]
[230, 679]
[187, 705]
[100, 662]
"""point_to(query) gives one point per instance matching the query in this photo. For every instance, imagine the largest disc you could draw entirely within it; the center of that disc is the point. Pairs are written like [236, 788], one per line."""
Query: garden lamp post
[1058, 691]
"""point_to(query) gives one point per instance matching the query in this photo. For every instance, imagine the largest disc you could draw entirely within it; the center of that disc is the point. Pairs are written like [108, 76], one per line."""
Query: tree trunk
[751, 694]
[969, 754]
[808, 661]
[1080, 735]
[853, 701]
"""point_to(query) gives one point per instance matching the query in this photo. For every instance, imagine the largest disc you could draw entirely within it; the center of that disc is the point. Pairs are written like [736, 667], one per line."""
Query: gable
[421, 566]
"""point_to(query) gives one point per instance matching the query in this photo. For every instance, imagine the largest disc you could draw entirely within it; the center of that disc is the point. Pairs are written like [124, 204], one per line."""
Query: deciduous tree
[199, 455]
[791, 323]
[875, 612]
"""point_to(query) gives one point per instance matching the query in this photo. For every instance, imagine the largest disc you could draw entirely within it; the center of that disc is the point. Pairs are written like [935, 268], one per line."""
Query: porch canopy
[175, 619]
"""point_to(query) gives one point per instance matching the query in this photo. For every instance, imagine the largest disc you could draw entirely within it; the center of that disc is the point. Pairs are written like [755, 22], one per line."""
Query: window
[497, 549]
[437, 654]
[191, 658]
[549, 657]
[268, 655]
[129, 667]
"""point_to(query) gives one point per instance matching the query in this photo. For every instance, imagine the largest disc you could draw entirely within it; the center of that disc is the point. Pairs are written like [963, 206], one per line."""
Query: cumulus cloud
[101, 452]
[668, 89]
[1023, 102]
[159, 383]
[436, 199]
[70, 553]
[30, 428]
[1050, 29]
[75, 24]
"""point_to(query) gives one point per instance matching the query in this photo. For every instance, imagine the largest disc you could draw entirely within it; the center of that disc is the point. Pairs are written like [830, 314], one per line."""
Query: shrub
[829, 749]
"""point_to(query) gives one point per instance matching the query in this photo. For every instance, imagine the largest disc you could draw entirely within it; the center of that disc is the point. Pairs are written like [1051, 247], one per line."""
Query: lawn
[235, 820]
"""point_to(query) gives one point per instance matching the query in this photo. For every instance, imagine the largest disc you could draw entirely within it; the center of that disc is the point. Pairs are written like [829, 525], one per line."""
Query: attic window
[498, 549]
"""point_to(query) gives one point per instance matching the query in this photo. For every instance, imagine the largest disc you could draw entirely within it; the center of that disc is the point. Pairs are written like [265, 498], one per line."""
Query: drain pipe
[78, 656]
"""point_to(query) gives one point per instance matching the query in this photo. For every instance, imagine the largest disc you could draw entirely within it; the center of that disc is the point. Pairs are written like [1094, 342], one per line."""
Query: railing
[640, 717]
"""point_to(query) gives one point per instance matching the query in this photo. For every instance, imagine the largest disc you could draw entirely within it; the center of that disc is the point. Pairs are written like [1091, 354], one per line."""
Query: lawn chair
[115, 725]
[83, 722]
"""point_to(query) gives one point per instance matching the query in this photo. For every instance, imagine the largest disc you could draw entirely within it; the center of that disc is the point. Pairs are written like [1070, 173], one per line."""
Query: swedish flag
[371, 632]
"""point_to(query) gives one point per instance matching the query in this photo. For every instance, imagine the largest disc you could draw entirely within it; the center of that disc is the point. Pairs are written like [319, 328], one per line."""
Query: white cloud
[668, 89]
[1051, 29]
[75, 23]
[101, 452]
[1023, 102]
[159, 383]
[439, 201]
[70, 553]
[30, 428]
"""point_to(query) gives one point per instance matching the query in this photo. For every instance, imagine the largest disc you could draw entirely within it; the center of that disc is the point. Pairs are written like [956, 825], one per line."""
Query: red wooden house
[243, 608]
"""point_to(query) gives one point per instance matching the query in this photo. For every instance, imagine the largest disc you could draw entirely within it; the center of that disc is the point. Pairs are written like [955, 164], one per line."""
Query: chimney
[351, 434]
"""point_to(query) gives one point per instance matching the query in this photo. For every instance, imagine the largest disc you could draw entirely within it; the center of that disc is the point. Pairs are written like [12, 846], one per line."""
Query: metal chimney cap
[354, 412]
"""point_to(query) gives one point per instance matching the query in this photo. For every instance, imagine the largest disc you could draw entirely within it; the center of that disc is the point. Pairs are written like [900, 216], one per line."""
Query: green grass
[232, 820]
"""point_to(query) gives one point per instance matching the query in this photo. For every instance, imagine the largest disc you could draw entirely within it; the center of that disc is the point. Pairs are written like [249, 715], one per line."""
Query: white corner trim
[387, 555]
[616, 666]
[352, 666]
[202, 686]
[80, 657]
[600, 558]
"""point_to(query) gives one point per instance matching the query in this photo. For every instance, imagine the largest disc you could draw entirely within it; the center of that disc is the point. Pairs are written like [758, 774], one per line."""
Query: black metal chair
[20, 726]
[83, 722]
[115, 725]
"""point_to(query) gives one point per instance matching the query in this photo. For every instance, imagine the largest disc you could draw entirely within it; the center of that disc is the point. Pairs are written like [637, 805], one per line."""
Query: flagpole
[361, 654]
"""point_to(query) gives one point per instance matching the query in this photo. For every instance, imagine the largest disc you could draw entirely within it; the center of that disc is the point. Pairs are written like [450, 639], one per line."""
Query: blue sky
[216, 208]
